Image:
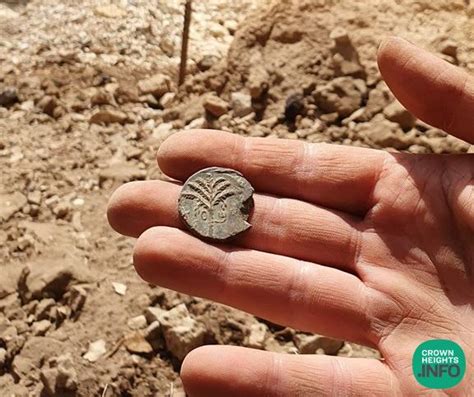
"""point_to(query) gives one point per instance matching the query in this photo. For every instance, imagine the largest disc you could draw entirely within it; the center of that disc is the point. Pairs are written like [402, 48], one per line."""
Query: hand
[358, 244]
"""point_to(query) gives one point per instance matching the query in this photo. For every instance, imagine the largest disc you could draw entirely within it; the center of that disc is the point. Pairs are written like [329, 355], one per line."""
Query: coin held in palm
[215, 203]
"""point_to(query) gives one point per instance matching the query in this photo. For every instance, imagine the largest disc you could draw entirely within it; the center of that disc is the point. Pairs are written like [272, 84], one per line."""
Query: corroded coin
[215, 203]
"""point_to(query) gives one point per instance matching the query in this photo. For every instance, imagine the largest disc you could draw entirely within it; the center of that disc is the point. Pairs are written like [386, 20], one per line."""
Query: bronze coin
[215, 203]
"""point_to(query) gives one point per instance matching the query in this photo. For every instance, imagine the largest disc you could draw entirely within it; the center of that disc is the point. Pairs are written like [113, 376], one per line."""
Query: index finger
[337, 177]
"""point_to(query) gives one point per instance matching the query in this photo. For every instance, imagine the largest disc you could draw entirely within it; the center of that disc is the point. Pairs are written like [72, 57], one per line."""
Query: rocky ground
[87, 94]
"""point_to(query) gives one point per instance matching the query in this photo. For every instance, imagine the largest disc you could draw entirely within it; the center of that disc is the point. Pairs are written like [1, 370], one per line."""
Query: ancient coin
[215, 203]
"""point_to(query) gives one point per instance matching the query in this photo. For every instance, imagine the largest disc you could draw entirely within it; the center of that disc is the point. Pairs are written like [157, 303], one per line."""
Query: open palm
[358, 244]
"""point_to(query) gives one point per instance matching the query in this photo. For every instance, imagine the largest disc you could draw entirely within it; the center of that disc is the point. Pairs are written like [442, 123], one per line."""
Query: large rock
[342, 95]
[47, 278]
[36, 350]
[182, 333]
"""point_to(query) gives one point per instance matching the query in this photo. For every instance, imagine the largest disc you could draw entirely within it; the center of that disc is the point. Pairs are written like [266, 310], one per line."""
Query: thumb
[435, 91]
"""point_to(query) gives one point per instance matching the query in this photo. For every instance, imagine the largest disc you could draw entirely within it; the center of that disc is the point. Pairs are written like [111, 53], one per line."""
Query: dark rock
[293, 106]
[8, 97]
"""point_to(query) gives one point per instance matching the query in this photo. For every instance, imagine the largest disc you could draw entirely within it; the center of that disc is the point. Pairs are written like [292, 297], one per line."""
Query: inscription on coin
[215, 203]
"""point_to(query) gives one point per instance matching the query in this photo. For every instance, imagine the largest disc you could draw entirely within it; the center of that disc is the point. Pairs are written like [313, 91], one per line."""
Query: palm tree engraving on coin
[215, 203]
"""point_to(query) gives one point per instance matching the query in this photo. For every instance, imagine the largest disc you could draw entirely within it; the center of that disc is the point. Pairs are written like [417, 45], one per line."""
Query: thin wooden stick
[184, 41]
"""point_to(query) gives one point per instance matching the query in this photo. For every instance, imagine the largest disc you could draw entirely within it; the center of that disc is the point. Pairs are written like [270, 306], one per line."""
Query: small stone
[153, 313]
[34, 197]
[8, 97]
[167, 100]
[196, 123]
[398, 114]
[8, 279]
[3, 358]
[119, 288]
[358, 115]
[258, 81]
[215, 105]
[110, 11]
[11, 203]
[61, 209]
[47, 104]
[76, 298]
[206, 62]
[450, 48]
[78, 202]
[137, 322]
[153, 331]
[257, 336]
[342, 95]
[286, 33]
[310, 344]
[340, 36]
[241, 104]
[150, 100]
[39, 328]
[156, 85]
[293, 106]
[121, 172]
[182, 333]
[378, 99]
[273, 345]
[137, 344]
[101, 97]
[108, 117]
[231, 25]
[418, 149]
[383, 133]
[96, 350]
[162, 131]
[43, 308]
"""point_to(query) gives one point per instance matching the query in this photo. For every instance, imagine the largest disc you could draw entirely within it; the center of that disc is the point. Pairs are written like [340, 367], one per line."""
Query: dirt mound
[309, 71]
